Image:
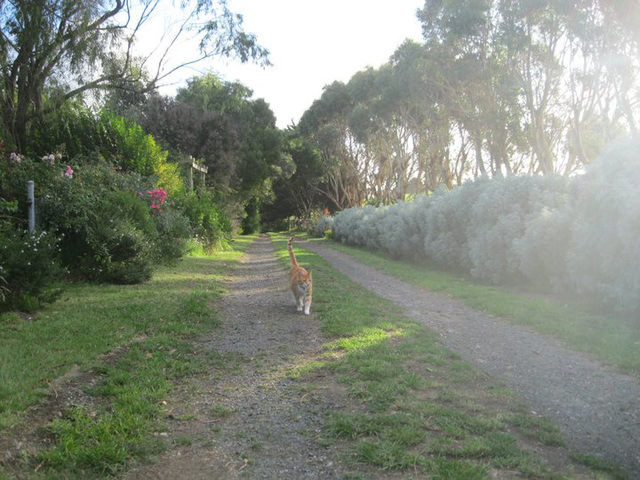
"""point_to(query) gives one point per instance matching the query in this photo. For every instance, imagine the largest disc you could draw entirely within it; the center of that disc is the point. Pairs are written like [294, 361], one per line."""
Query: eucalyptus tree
[477, 92]
[420, 81]
[577, 68]
[55, 50]
[325, 124]
[536, 87]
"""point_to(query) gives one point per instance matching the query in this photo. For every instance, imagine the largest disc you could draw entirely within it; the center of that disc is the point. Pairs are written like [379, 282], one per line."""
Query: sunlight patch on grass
[367, 338]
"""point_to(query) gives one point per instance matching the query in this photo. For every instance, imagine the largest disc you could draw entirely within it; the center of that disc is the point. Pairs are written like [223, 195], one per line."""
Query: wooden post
[190, 177]
[191, 166]
[31, 204]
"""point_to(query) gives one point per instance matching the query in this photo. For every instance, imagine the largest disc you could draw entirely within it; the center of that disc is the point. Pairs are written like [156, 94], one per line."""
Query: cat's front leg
[300, 303]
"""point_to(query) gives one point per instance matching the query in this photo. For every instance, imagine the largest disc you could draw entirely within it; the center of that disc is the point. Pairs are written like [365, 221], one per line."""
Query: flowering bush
[29, 266]
[158, 196]
[107, 230]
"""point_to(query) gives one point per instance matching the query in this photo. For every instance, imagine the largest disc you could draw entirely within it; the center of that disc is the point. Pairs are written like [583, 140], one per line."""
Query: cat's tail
[294, 262]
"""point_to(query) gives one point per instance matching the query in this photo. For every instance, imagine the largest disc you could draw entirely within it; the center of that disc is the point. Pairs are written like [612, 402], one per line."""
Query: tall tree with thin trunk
[54, 50]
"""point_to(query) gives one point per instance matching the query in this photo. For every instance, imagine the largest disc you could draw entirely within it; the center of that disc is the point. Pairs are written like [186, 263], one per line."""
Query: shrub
[127, 145]
[605, 259]
[29, 268]
[543, 249]
[576, 235]
[251, 221]
[499, 216]
[122, 142]
[210, 226]
[93, 211]
[122, 253]
[323, 225]
[401, 230]
[446, 225]
[173, 232]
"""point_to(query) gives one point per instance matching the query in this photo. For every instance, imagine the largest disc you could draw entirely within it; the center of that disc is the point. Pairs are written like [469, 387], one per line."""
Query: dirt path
[599, 410]
[248, 418]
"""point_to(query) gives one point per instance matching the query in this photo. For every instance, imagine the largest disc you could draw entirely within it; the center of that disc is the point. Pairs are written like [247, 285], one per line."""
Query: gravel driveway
[598, 409]
[251, 420]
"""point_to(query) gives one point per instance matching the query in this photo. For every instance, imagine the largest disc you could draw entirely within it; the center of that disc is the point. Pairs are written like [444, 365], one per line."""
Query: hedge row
[579, 235]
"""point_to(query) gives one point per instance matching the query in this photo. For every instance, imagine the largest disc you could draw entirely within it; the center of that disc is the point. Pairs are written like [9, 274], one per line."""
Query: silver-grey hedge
[579, 234]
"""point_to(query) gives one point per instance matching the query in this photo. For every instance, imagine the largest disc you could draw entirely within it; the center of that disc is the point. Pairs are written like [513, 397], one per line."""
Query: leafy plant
[173, 231]
[211, 227]
[30, 269]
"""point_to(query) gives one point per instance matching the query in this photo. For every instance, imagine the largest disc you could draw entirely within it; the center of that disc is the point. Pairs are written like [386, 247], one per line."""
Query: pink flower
[158, 196]
[68, 172]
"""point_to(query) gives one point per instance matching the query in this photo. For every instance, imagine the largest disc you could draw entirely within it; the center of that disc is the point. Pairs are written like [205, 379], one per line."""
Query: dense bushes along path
[596, 408]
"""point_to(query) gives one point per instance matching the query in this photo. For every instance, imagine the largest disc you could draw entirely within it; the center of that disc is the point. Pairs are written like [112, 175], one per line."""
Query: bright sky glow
[312, 43]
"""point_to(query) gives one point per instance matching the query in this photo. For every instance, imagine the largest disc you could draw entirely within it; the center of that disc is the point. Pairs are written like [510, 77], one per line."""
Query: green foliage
[251, 222]
[29, 264]
[30, 268]
[107, 228]
[235, 136]
[173, 231]
[104, 226]
[76, 131]
[129, 147]
[211, 227]
[112, 226]
[121, 253]
[55, 51]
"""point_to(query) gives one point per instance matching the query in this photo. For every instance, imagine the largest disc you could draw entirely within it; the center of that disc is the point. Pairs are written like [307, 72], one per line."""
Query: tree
[298, 194]
[325, 124]
[233, 134]
[55, 50]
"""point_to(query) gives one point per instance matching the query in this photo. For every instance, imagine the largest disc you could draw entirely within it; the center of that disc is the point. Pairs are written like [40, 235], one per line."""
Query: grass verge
[134, 340]
[612, 339]
[418, 408]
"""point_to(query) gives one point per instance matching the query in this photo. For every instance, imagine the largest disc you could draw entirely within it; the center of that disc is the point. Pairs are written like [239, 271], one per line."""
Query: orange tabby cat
[301, 282]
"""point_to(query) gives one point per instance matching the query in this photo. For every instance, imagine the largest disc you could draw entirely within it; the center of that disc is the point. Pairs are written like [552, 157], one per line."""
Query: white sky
[313, 43]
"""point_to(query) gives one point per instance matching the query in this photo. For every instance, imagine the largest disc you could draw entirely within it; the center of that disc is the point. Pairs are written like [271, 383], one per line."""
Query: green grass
[148, 329]
[415, 407]
[610, 470]
[612, 339]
